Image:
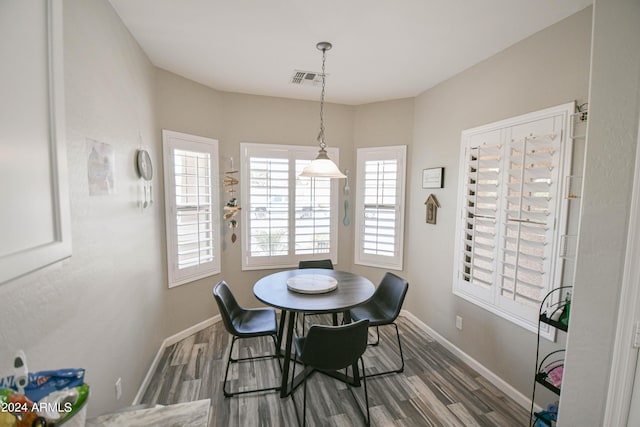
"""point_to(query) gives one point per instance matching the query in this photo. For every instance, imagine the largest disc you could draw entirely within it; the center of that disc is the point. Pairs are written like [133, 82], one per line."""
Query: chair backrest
[335, 347]
[316, 263]
[227, 304]
[389, 295]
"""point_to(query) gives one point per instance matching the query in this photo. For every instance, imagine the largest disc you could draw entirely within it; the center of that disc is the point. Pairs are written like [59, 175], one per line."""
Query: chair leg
[304, 316]
[366, 393]
[304, 406]
[276, 354]
[377, 338]
[365, 413]
[226, 373]
[304, 402]
[393, 371]
[231, 360]
[304, 322]
[399, 348]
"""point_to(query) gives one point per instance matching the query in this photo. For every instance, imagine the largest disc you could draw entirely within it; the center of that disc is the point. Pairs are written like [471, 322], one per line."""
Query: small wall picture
[432, 206]
[100, 168]
[433, 178]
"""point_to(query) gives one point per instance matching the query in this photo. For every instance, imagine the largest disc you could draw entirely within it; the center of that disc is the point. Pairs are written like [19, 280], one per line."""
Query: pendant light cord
[323, 145]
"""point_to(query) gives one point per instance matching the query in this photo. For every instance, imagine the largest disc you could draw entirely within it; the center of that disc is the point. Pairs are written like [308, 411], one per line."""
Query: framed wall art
[433, 178]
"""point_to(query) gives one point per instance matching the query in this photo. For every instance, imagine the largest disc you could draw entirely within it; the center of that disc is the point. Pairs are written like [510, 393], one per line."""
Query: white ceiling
[382, 49]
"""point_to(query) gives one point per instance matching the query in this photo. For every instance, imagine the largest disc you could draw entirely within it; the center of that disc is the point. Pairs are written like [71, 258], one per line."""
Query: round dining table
[350, 291]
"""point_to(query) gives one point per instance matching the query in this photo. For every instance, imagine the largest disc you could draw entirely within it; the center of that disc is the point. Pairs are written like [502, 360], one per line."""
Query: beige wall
[379, 124]
[546, 69]
[612, 142]
[232, 118]
[102, 309]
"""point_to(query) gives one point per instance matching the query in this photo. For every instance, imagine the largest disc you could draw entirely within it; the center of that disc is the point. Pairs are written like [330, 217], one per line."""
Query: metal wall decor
[145, 170]
[231, 209]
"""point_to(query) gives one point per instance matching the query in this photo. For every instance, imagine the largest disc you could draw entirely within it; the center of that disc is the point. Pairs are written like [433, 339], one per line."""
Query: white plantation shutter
[313, 213]
[194, 228]
[380, 209]
[482, 197]
[269, 206]
[380, 206]
[287, 218]
[512, 218]
[530, 199]
[192, 208]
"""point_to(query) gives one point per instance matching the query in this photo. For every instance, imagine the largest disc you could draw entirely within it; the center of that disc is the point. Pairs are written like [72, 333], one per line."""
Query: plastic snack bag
[44, 383]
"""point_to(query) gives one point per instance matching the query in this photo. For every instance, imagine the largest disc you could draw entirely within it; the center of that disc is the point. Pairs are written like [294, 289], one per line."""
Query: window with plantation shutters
[512, 213]
[379, 210]
[192, 208]
[286, 218]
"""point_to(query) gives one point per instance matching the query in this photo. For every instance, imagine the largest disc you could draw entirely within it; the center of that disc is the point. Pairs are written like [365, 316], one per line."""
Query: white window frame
[398, 153]
[292, 153]
[181, 141]
[504, 134]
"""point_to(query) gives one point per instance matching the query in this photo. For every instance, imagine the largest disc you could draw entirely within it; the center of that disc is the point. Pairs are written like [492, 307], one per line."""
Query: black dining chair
[244, 323]
[315, 263]
[332, 348]
[383, 309]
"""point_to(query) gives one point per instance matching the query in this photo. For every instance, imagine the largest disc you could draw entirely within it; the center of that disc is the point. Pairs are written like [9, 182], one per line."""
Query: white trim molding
[494, 379]
[166, 343]
[191, 166]
[625, 356]
[36, 167]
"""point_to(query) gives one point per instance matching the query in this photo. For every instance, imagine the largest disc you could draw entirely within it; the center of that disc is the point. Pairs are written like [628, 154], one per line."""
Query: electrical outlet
[459, 322]
[118, 388]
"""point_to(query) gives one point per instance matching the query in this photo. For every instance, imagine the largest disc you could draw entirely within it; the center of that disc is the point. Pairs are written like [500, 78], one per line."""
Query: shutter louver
[380, 211]
[194, 226]
[269, 206]
[530, 203]
[313, 213]
[482, 188]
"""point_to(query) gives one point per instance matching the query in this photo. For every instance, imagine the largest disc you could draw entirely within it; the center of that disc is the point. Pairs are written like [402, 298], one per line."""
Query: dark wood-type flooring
[435, 389]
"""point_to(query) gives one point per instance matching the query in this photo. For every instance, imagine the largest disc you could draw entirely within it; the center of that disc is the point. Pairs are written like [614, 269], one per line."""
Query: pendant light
[322, 166]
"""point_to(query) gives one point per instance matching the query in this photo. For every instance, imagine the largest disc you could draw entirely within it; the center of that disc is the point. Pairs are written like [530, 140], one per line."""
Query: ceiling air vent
[306, 78]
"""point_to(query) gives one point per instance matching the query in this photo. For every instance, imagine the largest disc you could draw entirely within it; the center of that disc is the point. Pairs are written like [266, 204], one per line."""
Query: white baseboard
[494, 379]
[166, 343]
